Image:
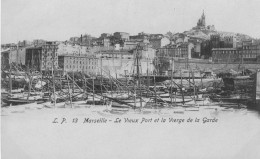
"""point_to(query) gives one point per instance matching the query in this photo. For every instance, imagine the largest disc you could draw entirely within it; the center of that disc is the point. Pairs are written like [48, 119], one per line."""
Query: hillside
[205, 34]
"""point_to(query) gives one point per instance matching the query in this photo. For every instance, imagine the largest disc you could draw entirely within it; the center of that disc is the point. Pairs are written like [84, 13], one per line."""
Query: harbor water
[221, 132]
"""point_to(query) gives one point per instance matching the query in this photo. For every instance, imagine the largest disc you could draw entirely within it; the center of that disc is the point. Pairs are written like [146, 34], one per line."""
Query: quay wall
[215, 66]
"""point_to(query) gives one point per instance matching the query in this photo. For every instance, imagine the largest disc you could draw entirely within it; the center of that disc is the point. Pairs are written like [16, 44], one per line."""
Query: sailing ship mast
[93, 90]
[171, 79]
[69, 90]
[53, 78]
[138, 73]
[10, 74]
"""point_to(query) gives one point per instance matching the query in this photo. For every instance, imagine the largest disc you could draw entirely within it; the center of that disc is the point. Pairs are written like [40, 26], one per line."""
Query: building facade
[34, 58]
[250, 52]
[227, 55]
[177, 51]
[230, 42]
[78, 63]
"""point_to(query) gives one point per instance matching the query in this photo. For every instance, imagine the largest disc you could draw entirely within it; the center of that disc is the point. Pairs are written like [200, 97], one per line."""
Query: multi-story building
[250, 52]
[215, 41]
[176, 51]
[230, 42]
[49, 56]
[42, 57]
[117, 62]
[225, 55]
[68, 49]
[34, 58]
[78, 63]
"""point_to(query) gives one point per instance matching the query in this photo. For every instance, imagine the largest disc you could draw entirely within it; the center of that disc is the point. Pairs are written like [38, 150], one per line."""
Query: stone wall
[215, 66]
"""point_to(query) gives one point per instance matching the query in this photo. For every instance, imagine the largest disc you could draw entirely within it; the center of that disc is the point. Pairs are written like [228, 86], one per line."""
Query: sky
[62, 19]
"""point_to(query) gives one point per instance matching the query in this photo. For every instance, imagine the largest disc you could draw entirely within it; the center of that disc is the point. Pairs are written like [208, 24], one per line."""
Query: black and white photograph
[130, 79]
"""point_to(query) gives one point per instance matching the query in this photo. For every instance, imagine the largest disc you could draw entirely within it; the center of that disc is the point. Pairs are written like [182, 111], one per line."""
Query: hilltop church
[201, 24]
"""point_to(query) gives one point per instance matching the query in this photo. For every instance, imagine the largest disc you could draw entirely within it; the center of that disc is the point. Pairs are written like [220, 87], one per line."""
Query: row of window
[80, 62]
[83, 67]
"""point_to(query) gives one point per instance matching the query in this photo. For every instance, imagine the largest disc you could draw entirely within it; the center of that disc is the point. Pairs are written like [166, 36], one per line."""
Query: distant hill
[205, 34]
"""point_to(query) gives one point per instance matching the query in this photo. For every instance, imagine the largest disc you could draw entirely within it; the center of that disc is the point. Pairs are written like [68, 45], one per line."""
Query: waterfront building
[250, 52]
[34, 58]
[78, 63]
[117, 63]
[42, 57]
[227, 55]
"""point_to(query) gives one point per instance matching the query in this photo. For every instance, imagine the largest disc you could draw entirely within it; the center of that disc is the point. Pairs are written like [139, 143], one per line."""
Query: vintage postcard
[130, 79]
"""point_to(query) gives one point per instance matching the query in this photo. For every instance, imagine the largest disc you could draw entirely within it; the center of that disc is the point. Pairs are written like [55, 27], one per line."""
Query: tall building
[33, 58]
[43, 57]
